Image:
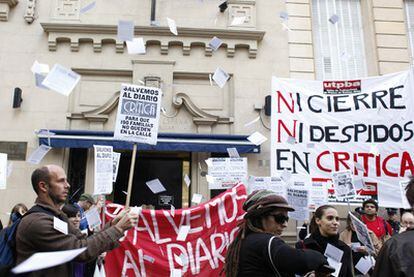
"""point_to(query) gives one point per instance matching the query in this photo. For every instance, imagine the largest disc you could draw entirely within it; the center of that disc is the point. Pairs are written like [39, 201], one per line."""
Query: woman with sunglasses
[258, 250]
[324, 228]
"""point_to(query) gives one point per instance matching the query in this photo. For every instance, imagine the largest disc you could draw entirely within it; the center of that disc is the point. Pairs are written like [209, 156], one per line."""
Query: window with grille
[409, 11]
[338, 46]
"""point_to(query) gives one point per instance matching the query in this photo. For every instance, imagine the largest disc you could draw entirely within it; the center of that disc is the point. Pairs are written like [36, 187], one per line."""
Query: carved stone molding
[100, 114]
[187, 38]
[5, 6]
[238, 8]
[200, 117]
[97, 115]
[29, 15]
[67, 9]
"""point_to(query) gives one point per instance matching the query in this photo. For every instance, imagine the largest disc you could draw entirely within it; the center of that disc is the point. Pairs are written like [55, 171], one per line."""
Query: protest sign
[3, 170]
[318, 195]
[115, 165]
[275, 184]
[362, 233]
[213, 225]
[226, 172]
[298, 198]
[138, 114]
[343, 184]
[343, 120]
[103, 169]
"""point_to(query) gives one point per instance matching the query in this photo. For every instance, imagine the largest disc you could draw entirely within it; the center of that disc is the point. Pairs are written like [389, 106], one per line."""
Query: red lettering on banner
[281, 125]
[341, 158]
[213, 225]
[381, 166]
[384, 167]
[318, 161]
[406, 164]
[290, 107]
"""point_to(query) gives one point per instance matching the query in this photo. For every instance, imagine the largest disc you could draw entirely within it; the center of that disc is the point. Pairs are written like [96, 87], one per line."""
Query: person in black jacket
[324, 228]
[397, 254]
[257, 250]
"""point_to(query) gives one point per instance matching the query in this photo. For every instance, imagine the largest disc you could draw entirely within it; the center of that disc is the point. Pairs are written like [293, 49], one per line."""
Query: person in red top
[375, 223]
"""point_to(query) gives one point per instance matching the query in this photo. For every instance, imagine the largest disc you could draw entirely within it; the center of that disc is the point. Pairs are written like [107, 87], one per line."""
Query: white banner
[365, 126]
[3, 170]
[138, 114]
[226, 172]
[103, 169]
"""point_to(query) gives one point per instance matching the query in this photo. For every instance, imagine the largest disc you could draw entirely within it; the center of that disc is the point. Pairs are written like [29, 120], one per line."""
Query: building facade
[303, 39]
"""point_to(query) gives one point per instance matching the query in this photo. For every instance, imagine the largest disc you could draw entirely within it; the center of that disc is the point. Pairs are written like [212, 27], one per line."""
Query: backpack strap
[270, 257]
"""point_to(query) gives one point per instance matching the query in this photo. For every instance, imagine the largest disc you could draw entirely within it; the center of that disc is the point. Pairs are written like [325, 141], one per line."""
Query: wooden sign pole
[131, 176]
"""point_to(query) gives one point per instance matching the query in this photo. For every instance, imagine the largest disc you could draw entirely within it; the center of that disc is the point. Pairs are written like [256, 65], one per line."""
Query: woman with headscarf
[258, 250]
[324, 228]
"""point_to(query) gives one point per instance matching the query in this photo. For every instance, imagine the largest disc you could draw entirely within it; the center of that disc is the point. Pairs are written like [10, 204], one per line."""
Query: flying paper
[172, 26]
[38, 154]
[125, 30]
[44, 260]
[257, 138]
[136, 46]
[215, 43]
[220, 77]
[187, 180]
[39, 68]
[61, 80]
[155, 186]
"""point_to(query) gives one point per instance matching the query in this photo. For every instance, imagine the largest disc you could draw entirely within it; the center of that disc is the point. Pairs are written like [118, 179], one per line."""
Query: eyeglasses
[280, 218]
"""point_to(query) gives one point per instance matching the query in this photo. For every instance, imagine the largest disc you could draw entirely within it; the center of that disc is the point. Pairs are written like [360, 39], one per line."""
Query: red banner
[152, 248]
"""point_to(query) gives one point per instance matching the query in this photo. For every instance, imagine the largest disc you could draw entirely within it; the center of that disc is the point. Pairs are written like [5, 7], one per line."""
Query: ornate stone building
[305, 46]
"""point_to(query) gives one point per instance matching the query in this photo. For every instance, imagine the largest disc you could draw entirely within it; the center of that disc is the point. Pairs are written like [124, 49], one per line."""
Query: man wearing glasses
[258, 250]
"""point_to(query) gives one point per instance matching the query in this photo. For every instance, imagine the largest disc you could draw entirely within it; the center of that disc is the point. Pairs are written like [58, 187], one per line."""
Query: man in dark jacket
[50, 230]
[396, 257]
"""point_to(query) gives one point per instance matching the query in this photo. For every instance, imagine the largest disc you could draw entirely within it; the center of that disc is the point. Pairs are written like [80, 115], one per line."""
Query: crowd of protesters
[257, 250]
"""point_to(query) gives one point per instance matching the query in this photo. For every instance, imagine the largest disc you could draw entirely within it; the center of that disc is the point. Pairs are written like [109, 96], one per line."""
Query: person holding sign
[396, 257]
[258, 250]
[324, 238]
[46, 228]
[350, 237]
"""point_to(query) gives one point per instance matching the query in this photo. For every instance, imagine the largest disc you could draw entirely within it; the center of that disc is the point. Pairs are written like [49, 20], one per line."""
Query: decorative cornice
[77, 33]
[200, 117]
[59, 27]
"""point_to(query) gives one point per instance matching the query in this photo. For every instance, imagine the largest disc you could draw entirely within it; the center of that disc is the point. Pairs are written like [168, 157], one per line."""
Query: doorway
[169, 167]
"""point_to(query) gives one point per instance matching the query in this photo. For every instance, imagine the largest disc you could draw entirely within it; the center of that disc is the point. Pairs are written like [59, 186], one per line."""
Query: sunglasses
[280, 218]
